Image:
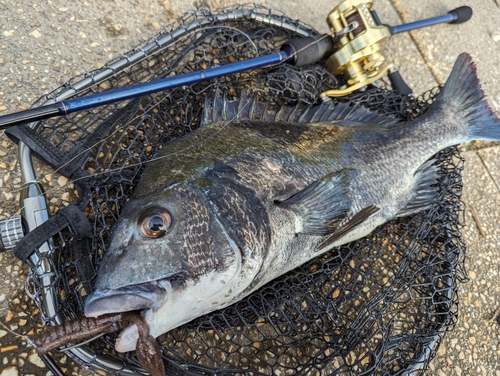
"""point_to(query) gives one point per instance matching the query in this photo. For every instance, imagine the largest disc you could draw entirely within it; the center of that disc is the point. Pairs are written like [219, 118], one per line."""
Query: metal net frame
[377, 306]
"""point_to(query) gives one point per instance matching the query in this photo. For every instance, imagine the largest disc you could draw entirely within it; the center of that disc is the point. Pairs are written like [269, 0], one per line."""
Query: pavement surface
[42, 44]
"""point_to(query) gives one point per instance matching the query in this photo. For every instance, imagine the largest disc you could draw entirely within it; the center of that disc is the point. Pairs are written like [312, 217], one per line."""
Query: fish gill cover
[377, 306]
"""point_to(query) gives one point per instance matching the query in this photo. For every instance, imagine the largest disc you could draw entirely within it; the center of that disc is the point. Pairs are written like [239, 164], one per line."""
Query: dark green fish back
[311, 135]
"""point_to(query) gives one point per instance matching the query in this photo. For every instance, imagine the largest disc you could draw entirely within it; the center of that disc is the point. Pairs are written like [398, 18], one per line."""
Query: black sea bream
[241, 200]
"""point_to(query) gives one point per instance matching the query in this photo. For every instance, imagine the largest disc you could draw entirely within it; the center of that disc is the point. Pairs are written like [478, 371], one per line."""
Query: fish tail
[463, 91]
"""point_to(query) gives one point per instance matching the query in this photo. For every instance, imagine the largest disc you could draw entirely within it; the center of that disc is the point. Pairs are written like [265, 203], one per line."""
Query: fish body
[250, 196]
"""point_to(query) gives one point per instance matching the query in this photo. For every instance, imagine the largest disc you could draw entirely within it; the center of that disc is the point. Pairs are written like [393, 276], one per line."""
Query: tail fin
[464, 90]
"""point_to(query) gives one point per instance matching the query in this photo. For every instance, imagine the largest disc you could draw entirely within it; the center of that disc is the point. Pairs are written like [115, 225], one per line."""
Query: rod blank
[456, 16]
[112, 96]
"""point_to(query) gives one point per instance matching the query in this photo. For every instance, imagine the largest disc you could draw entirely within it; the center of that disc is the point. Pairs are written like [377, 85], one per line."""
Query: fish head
[170, 257]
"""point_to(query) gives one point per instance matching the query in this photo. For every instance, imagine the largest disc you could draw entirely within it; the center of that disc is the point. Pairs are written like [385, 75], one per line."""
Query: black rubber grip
[463, 14]
[33, 114]
[309, 50]
[398, 84]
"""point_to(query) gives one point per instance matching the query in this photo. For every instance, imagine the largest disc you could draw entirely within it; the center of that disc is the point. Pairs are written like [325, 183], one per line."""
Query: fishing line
[139, 164]
[80, 344]
[138, 117]
[23, 336]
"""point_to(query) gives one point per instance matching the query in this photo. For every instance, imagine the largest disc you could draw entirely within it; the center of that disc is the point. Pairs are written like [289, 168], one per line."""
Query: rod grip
[33, 114]
[309, 50]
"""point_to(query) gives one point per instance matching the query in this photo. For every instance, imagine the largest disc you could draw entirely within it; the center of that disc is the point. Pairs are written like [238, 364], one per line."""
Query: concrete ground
[42, 44]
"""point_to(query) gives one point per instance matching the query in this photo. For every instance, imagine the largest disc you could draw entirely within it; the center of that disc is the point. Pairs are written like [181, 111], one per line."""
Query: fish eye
[154, 222]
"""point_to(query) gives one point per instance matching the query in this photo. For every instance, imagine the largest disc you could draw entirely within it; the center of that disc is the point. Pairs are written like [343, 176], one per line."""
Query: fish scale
[236, 204]
[201, 258]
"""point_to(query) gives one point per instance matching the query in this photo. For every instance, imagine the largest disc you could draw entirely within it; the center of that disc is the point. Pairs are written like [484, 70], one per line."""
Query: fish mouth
[148, 295]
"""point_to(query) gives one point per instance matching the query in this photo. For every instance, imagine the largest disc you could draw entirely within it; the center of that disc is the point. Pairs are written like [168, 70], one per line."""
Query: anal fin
[424, 191]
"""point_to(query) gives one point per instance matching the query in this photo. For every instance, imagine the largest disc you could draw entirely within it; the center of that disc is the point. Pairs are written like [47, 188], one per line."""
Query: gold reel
[358, 55]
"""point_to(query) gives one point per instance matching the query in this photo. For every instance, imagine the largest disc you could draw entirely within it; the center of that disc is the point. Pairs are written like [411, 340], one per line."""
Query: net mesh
[376, 306]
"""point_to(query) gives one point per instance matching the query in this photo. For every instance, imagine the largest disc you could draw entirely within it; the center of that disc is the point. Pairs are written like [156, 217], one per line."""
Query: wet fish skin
[251, 199]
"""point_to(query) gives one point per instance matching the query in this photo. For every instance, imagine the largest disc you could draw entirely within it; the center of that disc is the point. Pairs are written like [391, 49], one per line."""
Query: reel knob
[11, 231]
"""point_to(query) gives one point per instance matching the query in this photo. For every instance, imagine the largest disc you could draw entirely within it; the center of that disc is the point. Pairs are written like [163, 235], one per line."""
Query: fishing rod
[354, 51]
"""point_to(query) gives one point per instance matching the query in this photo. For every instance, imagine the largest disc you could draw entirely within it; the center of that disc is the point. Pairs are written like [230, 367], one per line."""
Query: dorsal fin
[220, 109]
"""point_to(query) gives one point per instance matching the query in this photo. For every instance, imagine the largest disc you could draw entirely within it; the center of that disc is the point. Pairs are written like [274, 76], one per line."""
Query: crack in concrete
[488, 171]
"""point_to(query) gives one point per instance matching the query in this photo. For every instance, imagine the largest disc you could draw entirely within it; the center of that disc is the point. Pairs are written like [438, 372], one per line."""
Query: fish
[258, 190]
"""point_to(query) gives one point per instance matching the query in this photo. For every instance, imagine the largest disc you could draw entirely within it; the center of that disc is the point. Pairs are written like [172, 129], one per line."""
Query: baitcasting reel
[358, 54]
[358, 34]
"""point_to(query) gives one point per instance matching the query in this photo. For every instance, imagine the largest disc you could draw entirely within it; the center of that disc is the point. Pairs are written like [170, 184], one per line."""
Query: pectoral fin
[323, 204]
